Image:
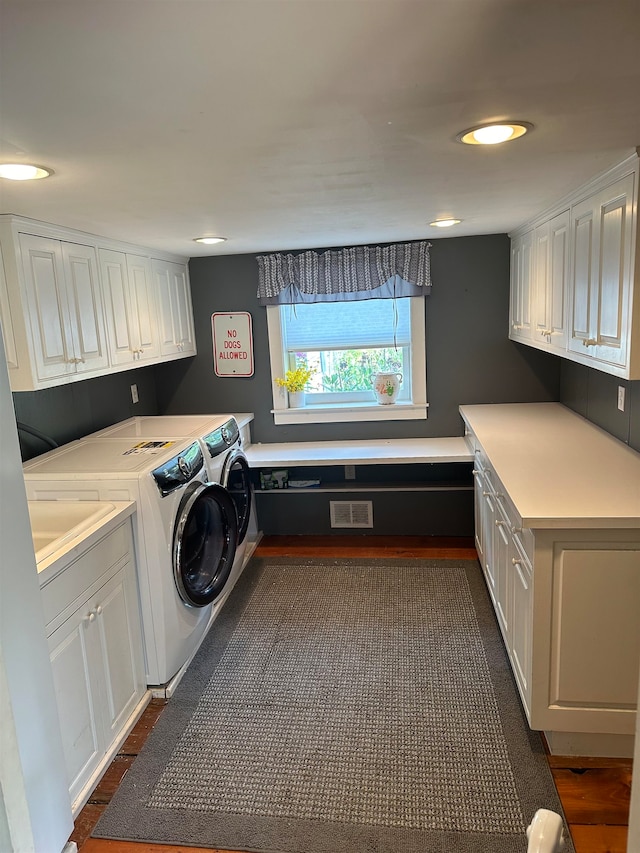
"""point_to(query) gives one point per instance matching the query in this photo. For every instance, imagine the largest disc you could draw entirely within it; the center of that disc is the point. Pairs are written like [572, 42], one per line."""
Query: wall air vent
[351, 513]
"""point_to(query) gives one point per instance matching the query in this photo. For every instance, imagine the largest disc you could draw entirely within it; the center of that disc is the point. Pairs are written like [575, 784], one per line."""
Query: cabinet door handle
[486, 494]
[516, 562]
[98, 610]
[90, 617]
[500, 523]
[589, 342]
[516, 530]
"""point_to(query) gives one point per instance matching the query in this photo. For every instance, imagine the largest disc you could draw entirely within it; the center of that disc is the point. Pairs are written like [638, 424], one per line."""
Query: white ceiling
[283, 124]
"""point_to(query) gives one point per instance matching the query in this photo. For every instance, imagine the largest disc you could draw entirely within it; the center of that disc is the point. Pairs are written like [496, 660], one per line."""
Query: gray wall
[68, 412]
[469, 357]
[594, 395]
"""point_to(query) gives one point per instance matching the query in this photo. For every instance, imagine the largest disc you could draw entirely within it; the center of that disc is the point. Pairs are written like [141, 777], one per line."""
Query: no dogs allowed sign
[232, 343]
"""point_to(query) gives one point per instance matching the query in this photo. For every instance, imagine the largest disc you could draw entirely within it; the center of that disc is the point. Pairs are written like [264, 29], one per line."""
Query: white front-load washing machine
[226, 462]
[185, 532]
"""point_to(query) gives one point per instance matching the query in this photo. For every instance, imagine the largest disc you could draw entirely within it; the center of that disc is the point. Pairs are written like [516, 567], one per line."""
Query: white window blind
[346, 325]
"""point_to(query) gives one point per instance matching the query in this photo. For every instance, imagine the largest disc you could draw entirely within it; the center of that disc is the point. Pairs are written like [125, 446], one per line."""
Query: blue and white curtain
[354, 273]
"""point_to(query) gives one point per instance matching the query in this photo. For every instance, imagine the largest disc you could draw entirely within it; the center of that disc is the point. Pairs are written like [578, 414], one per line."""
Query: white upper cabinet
[175, 312]
[520, 303]
[602, 228]
[585, 269]
[130, 305]
[74, 305]
[64, 307]
[551, 276]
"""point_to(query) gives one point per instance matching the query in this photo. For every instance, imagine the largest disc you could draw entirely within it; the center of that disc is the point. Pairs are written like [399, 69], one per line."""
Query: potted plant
[294, 382]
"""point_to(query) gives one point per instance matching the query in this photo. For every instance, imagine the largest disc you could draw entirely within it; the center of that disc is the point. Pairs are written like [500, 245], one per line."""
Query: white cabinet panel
[587, 666]
[6, 320]
[78, 705]
[520, 301]
[602, 274]
[85, 307]
[176, 316]
[130, 307]
[550, 277]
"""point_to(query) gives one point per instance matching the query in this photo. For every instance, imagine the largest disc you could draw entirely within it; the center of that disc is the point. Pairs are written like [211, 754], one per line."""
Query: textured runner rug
[343, 705]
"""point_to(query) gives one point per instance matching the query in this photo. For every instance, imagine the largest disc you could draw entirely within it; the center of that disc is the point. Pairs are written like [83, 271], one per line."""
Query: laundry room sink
[53, 523]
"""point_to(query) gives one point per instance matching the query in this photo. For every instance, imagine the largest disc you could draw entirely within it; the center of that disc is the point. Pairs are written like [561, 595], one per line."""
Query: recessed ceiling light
[494, 133]
[209, 240]
[23, 172]
[445, 223]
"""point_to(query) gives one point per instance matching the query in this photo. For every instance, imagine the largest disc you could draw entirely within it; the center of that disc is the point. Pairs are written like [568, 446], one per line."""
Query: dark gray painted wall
[594, 395]
[71, 411]
[469, 357]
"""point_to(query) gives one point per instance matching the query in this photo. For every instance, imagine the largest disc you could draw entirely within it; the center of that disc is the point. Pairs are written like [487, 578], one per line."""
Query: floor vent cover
[351, 513]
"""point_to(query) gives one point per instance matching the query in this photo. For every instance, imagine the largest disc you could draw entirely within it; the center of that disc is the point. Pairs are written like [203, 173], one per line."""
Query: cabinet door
[144, 310]
[118, 309]
[72, 650]
[503, 553]
[120, 648]
[85, 305]
[601, 282]
[551, 274]
[49, 318]
[167, 307]
[520, 296]
[478, 484]
[488, 519]
[521, 626]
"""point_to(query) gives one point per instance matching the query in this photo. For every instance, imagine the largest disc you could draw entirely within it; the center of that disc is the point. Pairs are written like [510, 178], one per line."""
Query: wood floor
[595, 792]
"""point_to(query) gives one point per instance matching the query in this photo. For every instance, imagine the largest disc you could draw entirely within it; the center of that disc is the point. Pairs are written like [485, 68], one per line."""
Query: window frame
[319, 413]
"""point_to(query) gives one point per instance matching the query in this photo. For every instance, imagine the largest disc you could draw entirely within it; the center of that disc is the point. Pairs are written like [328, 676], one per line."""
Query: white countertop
[559, 469]
[75, 538]
[369, 452]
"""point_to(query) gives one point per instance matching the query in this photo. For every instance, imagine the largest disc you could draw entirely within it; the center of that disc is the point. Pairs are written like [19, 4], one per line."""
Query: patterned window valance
[358, 272]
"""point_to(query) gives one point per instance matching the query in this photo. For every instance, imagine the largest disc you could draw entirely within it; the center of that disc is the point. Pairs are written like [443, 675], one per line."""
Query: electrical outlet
[621, 394]
[349, 472]
[134, 393]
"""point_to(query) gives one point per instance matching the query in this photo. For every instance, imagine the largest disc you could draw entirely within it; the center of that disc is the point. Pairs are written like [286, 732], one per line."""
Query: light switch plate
[621, 395]
[134, 394]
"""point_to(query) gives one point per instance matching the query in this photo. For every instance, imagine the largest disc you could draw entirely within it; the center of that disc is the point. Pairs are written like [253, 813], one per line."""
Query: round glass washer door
[237, 481]
[204, 543]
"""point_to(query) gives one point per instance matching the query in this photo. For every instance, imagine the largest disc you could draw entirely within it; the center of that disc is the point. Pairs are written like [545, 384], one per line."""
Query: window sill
[331, 413]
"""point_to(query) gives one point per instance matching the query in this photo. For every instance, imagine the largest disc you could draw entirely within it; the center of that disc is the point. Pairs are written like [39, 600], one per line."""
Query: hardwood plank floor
[594, 792]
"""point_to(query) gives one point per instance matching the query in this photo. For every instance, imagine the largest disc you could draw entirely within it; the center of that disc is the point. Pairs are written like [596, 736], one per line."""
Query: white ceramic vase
[296, 399]
[386, 387]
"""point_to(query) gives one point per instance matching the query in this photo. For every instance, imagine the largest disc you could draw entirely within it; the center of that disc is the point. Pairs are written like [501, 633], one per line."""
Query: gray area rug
[343, 705]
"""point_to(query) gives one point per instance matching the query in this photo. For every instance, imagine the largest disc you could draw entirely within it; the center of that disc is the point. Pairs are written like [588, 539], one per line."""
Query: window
[346, 343]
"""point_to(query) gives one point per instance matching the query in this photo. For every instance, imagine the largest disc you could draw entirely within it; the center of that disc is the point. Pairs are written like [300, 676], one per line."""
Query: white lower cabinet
[566, 601]
[95, 646]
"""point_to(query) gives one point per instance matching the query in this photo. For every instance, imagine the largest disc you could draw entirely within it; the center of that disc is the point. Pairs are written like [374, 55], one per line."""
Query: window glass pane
[370, 324]
[349, 371]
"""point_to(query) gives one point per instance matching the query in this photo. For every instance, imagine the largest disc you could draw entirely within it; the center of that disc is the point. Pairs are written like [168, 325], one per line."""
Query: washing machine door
[204, 543]
[236, 479]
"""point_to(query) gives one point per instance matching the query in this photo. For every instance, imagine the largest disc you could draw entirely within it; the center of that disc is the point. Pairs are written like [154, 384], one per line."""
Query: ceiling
[285, 124]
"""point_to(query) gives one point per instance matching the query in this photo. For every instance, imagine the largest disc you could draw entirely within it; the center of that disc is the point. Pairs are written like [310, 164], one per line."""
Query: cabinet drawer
[79, 577]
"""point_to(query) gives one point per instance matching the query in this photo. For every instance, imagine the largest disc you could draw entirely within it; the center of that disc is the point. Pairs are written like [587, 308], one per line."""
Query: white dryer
[227, 464]
[185, 532]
